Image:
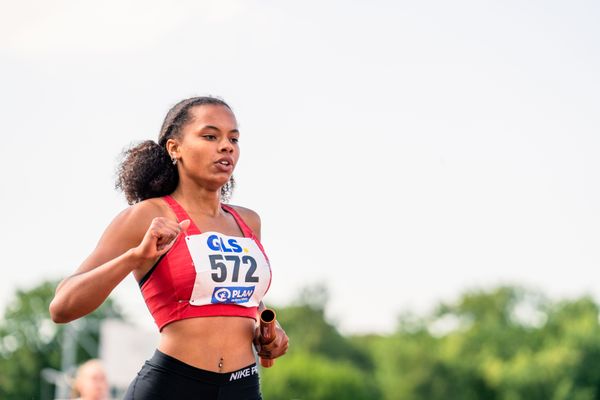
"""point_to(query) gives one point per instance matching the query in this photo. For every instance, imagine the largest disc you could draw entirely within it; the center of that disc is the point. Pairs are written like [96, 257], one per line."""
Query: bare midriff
[217, 344]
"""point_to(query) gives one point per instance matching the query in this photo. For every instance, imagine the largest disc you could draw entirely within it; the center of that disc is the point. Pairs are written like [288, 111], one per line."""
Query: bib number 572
[217, 264]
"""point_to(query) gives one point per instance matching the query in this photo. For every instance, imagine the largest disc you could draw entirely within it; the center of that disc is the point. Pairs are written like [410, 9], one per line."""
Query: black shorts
[165, 377]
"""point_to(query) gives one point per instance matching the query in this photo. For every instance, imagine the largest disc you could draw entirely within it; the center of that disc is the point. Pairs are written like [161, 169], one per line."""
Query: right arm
[133, 241]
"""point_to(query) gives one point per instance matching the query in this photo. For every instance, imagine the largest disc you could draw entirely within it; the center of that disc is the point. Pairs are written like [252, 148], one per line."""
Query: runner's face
[208, 148]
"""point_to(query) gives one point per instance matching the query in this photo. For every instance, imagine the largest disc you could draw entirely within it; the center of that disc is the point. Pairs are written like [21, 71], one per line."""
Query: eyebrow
[217, 129]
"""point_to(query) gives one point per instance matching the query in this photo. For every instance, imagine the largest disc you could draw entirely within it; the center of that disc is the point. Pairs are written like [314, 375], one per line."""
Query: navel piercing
[221, 364]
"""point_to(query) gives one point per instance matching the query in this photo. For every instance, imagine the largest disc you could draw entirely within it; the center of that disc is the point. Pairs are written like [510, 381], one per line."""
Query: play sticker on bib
[229, 270]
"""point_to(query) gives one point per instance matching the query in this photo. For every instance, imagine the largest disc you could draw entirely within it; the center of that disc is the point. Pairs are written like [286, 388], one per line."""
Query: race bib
[229, 270]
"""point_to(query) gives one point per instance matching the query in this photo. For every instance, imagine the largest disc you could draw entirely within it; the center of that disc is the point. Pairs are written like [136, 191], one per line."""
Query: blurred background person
[91, 382]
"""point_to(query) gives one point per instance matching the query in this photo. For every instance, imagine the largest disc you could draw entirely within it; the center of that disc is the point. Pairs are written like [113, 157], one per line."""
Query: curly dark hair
[146, 170]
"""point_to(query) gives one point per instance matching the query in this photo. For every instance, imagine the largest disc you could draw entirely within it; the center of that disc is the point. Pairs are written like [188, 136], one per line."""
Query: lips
[224, 164]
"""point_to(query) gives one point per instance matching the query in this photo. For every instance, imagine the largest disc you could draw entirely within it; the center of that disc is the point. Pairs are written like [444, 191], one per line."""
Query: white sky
[398, 151]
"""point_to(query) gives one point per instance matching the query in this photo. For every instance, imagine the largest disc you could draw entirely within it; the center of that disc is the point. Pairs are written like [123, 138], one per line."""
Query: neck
[198, 200]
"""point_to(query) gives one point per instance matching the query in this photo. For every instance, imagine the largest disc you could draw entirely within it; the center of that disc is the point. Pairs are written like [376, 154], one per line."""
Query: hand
[160, 237]
[276, 348]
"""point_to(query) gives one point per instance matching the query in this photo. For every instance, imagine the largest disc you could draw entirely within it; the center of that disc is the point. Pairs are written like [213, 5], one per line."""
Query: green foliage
[311, 376]
[30, 341]
[311, 333]
[506, 344]
[503, 344]
[321, 363]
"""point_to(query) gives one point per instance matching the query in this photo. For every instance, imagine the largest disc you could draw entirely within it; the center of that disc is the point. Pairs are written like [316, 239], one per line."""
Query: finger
[162, 223]
[278, 342]
[168, 237]
[184, 225]
[167, 240]
[161, 233]
[268, 347]
[171, 230]
[168, 229]
[256, 334]
[162, 249]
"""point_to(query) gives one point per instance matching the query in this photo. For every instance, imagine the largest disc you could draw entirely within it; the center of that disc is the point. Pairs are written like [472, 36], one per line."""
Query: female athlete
[199, 262]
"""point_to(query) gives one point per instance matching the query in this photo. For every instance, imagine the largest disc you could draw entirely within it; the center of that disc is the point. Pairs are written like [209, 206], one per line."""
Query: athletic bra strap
[193, 229]
[243, 226]
[181, 214]
[246, 230]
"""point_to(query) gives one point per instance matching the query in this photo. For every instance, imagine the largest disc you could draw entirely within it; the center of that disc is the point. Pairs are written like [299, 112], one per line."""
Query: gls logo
[216, 243]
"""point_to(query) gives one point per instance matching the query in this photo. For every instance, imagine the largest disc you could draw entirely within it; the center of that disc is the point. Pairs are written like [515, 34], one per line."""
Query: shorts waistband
[162, 360]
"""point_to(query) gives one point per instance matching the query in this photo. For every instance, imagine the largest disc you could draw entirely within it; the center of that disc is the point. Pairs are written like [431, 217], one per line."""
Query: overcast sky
[399, 152]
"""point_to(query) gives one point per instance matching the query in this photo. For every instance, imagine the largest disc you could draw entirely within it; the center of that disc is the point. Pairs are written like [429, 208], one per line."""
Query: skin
[139, 235]
[91, 382]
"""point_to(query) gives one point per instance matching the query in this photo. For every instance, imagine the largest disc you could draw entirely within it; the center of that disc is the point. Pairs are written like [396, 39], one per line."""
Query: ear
[173, 148]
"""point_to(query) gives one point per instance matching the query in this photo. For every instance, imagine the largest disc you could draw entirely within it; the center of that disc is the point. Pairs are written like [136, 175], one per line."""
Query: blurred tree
[304, 376]
[30, 341]
[503, 344]
[321, 363]
[306, 325]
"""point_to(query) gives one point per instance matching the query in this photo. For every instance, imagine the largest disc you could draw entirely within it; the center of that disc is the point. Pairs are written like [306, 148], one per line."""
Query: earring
[174, 161]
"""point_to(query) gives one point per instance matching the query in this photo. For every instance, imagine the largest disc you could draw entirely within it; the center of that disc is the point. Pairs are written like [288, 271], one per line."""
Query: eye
[235, 140]
[209, 137]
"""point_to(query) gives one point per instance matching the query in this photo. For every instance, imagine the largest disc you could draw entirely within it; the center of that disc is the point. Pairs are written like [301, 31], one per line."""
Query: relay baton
[267, 333]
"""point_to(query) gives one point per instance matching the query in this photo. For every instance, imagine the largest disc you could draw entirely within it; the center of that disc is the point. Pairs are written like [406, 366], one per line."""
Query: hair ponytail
[146, 171]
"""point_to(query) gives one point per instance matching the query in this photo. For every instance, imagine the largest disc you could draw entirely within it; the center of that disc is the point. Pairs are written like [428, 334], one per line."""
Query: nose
[225, 146]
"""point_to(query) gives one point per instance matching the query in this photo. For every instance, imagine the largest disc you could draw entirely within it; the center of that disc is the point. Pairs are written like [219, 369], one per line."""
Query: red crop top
[207, 274]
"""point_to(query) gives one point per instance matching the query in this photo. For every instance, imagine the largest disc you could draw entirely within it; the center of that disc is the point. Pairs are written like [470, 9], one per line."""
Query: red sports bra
[207, 274]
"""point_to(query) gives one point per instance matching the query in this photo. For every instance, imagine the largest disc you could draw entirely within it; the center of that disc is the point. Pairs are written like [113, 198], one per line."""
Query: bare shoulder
[139, 215]
[125, 231]
[130, 225]
[144, 212]
[249, 216]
